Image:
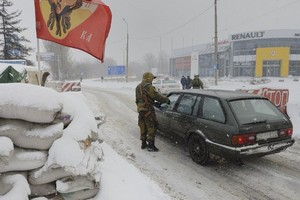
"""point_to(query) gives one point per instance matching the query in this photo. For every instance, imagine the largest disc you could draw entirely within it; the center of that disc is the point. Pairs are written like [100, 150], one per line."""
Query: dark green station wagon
[230, 124]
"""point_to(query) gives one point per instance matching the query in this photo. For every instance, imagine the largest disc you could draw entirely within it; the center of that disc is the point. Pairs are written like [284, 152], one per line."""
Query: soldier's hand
[168, 102]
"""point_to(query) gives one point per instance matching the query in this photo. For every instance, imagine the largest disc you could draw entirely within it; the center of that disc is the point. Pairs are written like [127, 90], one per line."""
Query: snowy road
[268, 178]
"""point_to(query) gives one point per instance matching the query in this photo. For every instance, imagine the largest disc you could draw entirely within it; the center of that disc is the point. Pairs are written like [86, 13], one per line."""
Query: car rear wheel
[198, 150]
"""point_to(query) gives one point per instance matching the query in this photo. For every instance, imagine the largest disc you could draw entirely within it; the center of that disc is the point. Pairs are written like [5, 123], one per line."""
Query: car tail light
[286, 132]
[243, 139]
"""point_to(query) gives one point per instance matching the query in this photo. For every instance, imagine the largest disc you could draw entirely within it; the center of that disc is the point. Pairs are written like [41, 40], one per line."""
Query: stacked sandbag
[46, 135]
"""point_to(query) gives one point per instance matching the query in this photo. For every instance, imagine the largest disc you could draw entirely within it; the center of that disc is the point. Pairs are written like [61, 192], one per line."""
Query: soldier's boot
[152, 147]
[144, 144]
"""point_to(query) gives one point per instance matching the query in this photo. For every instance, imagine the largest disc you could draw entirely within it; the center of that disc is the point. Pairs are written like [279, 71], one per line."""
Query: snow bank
[51, 136]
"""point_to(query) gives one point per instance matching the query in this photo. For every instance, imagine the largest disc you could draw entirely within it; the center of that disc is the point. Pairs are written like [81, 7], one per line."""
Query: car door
[185, 115]
[213, 120]
[164, 113]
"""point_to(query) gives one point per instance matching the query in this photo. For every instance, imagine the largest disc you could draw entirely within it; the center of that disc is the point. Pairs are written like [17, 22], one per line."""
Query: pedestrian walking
[183, 82]
[188, 82]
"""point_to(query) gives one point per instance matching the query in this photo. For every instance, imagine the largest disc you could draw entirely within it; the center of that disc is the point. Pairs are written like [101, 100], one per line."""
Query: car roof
[224, 94]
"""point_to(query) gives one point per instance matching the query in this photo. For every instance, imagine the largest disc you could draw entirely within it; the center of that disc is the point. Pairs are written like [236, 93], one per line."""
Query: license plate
[267, 135]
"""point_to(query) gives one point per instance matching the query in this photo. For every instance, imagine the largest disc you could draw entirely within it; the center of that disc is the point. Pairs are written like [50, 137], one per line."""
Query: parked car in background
[166, 85]
[231, 124]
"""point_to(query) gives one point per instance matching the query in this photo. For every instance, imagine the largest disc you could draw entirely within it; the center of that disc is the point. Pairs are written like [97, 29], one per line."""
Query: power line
[175, 29]
[268, 13]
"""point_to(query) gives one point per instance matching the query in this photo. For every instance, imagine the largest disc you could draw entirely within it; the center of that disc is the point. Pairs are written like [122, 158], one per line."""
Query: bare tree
[150, 61]
[164, 64]
[94, 69]
[61, 64]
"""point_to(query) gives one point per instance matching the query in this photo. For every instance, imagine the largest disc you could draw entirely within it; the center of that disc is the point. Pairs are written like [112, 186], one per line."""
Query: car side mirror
[164, 106]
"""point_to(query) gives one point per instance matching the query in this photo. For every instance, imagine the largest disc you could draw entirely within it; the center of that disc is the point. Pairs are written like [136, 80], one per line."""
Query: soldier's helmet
[148, 77]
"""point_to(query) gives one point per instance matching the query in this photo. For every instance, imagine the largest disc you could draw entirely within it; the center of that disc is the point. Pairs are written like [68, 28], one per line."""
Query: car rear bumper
[253, 150]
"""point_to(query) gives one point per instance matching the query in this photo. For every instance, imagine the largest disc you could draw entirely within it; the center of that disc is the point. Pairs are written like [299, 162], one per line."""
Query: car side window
[187, 104]
[196, 106]
[173, 98]
[212, 110]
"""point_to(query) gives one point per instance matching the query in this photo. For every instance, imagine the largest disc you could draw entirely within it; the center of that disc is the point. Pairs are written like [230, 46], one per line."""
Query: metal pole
[58, 67]
[38, 55]
[216, 46]
[39, 61]
[127, 41]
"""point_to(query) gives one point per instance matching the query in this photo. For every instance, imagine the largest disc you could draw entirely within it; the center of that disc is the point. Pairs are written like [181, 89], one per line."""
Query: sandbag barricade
[48, 147]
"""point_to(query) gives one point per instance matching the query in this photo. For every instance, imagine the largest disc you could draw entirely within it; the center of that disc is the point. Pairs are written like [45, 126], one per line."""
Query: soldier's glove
[156, 104]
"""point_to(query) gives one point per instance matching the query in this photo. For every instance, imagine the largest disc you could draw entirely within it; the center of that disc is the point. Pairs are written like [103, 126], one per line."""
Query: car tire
[198, 149]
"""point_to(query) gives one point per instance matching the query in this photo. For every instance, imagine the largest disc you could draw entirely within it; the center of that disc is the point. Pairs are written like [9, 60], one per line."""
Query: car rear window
[256, 110]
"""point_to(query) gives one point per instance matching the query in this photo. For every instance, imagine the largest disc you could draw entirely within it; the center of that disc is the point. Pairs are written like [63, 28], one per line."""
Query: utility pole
[127, 41]
[216, 67]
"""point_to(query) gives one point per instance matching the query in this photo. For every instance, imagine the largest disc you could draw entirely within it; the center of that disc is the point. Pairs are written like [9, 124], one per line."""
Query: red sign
[81, 24]
[279, 97]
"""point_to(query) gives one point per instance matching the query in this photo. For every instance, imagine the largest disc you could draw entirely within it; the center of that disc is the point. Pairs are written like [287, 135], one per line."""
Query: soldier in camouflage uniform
[146, 94]
[197, 83]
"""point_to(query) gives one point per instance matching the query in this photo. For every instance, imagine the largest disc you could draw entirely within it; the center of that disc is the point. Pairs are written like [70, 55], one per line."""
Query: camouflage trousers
[148, 125]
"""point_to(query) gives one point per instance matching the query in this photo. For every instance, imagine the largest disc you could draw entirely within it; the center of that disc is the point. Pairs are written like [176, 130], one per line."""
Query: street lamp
[216, 67]
[127, 40]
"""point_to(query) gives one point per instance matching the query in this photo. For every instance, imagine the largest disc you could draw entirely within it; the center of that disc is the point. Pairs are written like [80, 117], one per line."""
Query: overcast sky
[154, 24]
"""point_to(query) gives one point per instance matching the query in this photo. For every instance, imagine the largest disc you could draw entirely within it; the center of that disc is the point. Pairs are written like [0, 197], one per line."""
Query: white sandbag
[82, 194]
[4, 187]
[31, 135]
[38, 177]
[38, 104]
[6, 150]
[66, 152]
[62, 118]
[83, 124]
[40, 198]
[74, 184]
[25, 159]
[42, 190]
[19, 187]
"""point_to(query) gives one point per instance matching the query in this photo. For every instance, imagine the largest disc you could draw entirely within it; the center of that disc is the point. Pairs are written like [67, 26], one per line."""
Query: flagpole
[39, 60]
[38, 55]
[127, 38]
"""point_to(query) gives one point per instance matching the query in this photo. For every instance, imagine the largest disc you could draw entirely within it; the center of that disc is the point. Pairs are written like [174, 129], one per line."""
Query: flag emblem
[81, 24]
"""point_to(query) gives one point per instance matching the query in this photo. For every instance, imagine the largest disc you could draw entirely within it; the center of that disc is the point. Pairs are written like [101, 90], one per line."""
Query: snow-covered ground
[129, 173]
[172, 168]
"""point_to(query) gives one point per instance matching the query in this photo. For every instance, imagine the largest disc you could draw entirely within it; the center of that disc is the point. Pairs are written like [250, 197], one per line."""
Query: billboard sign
[21, 62]
[116, 70]
[47, 56]
[279, 97]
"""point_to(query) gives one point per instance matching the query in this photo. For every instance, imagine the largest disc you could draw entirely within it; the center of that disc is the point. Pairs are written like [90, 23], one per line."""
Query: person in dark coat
[183, 82]
[188, 82]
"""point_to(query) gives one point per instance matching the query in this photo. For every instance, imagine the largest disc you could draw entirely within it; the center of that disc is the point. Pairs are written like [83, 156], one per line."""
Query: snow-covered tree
[11, 41]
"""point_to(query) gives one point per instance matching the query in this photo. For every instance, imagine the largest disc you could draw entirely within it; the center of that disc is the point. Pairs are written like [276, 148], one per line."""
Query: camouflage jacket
[197, 83]
[146, 94]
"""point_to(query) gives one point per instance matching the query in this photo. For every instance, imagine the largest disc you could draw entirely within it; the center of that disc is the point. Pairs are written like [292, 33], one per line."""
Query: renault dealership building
[269, 53]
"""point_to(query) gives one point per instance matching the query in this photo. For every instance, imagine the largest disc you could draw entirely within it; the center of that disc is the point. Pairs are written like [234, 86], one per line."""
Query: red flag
[81, 24]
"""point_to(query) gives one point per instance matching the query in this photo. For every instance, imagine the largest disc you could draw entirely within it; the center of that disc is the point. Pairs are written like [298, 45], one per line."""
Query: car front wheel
[198, 150]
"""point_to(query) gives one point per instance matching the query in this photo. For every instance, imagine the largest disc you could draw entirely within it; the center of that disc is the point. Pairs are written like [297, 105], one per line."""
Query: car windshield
[169, 81]
[252, 111]
[156, 82]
